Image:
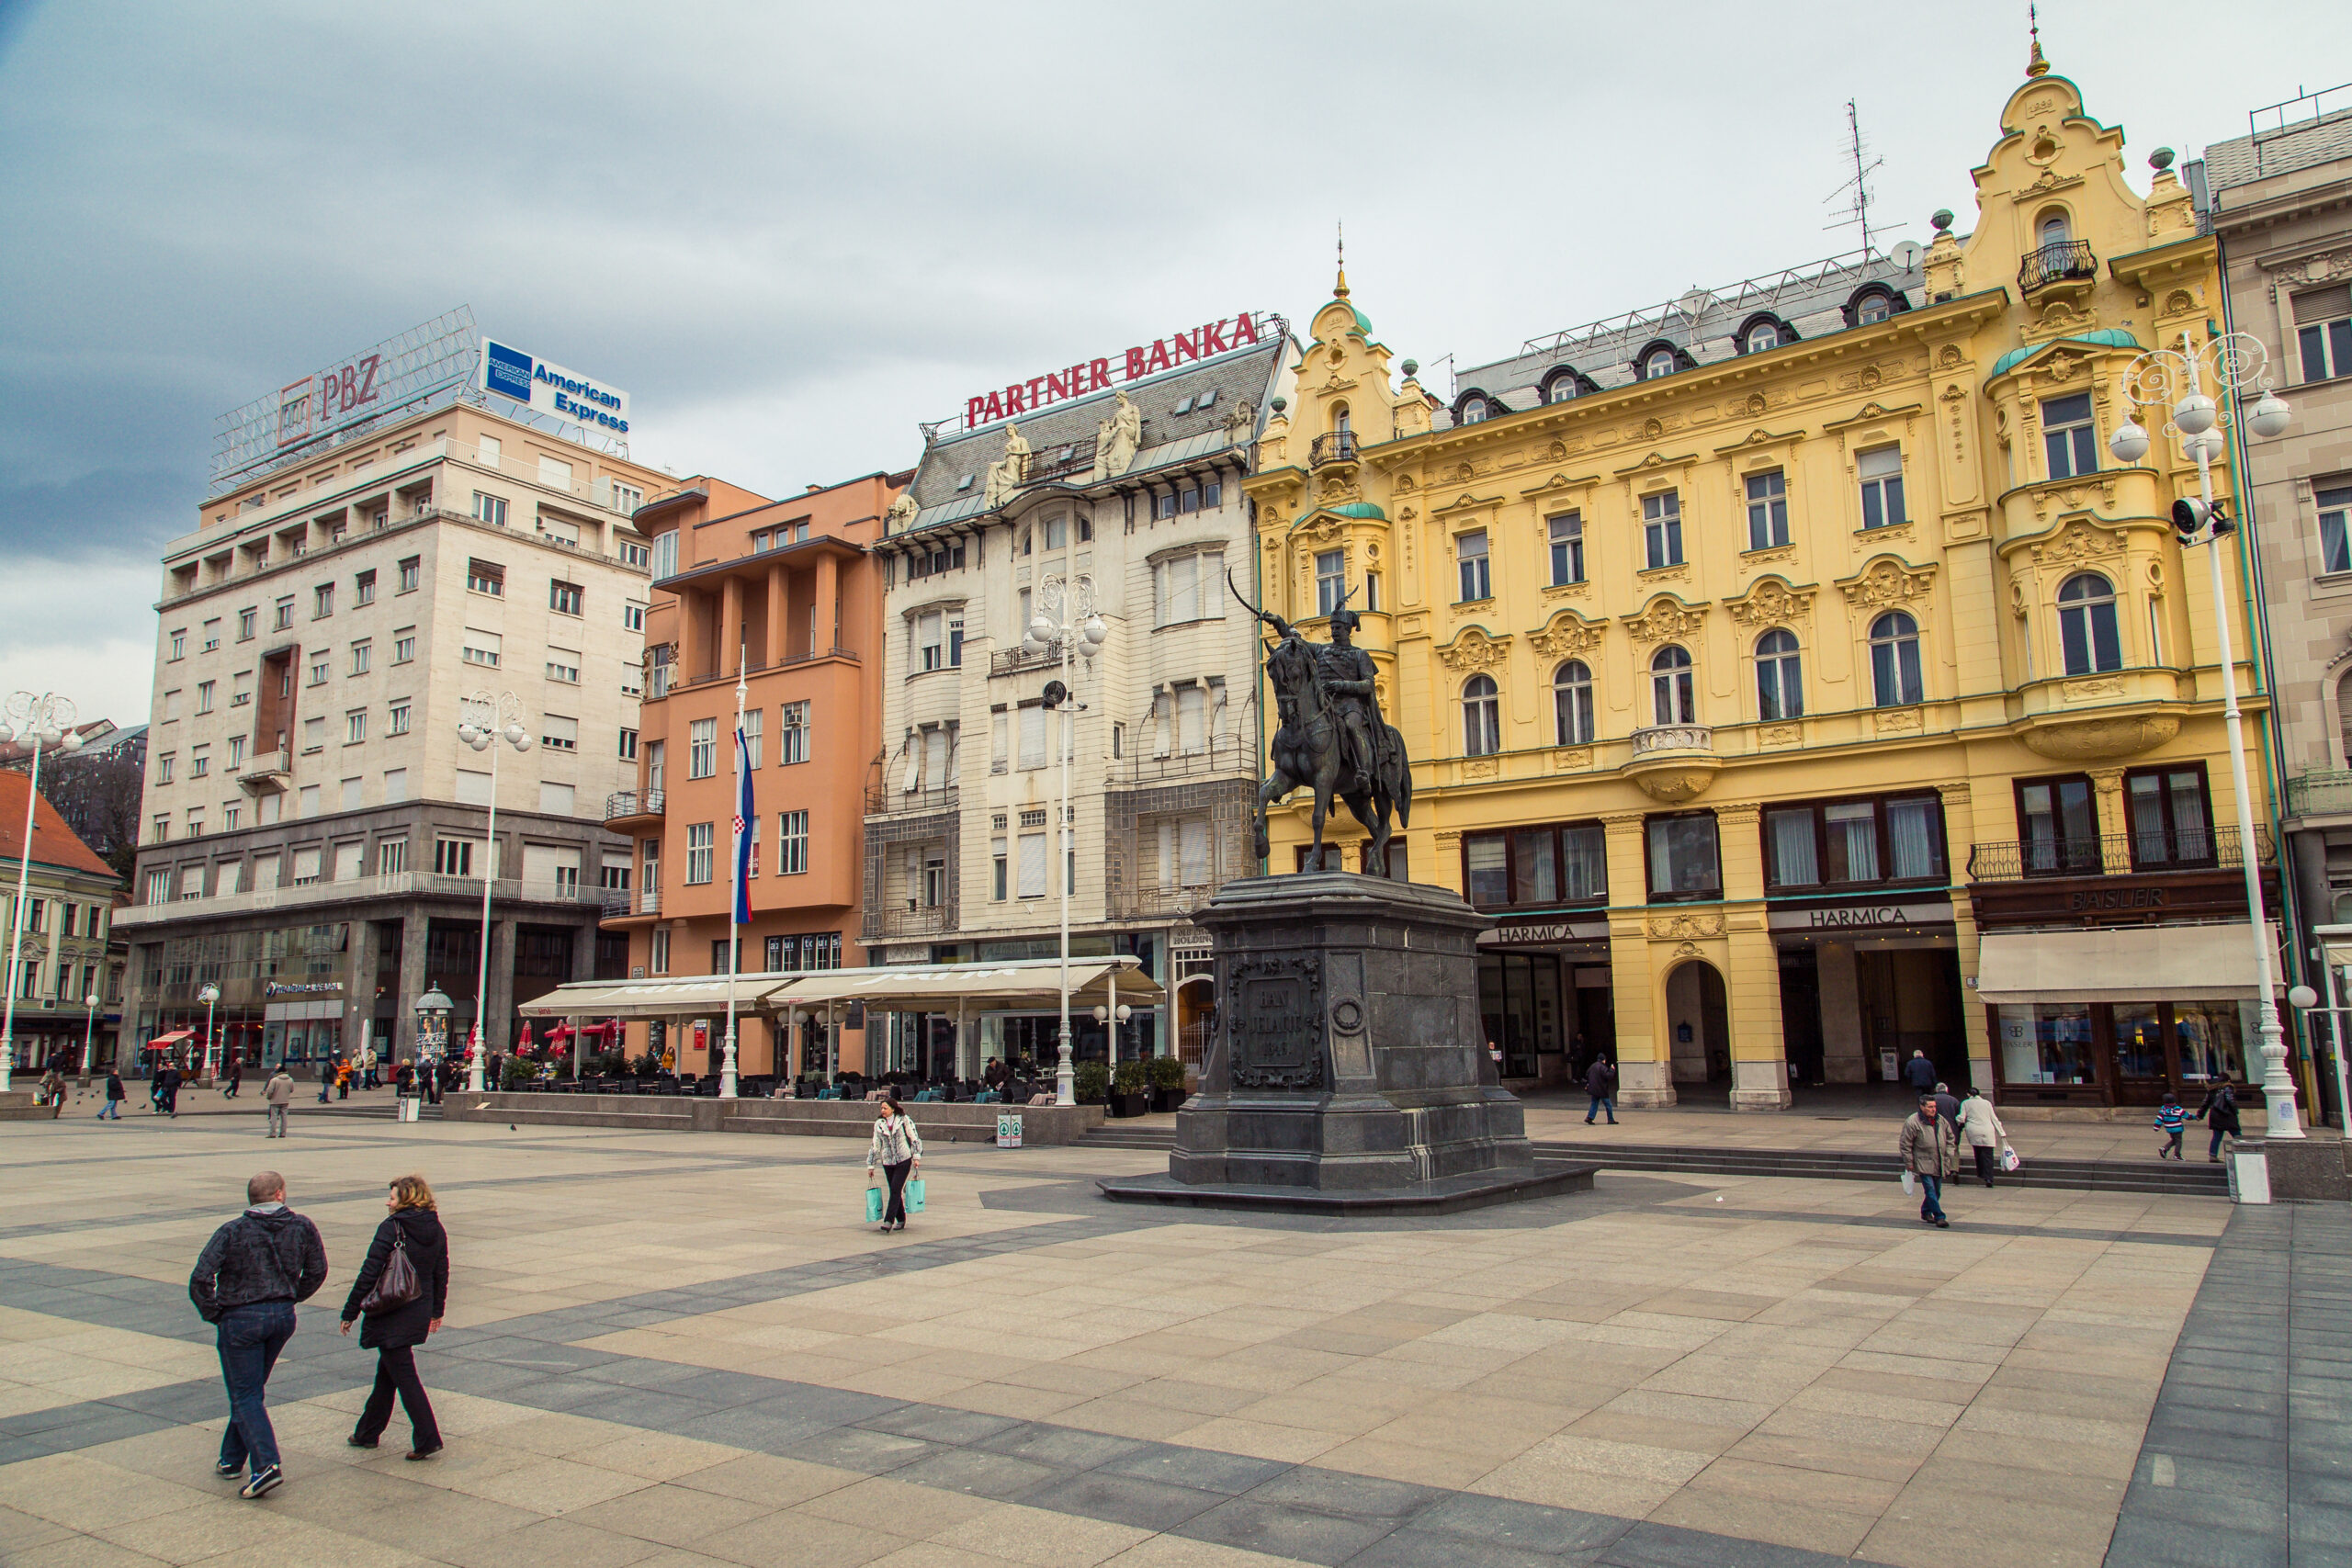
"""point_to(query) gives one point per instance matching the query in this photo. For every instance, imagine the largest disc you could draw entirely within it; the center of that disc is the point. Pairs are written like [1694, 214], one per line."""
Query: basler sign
[1245, 331]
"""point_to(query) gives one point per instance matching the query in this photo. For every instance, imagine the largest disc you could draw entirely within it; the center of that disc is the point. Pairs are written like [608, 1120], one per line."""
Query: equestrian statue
[1331, 736]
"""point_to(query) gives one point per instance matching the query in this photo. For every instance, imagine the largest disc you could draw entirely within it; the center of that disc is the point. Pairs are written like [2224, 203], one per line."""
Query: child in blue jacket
[2170, 1120]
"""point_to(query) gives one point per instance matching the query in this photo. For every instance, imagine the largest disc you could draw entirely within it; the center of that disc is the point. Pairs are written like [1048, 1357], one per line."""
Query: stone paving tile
[1047, 1384]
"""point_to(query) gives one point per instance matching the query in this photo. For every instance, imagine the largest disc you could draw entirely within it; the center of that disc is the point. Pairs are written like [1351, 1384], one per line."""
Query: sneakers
[263, 1483]
[225, 1468]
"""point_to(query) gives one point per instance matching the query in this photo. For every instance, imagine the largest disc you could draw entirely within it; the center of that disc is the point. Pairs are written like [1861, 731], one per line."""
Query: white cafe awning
[1029, 984]
[683, 996]
[2120, 963]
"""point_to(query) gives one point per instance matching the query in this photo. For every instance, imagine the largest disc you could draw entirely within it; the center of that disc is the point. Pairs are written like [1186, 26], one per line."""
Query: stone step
[1822, 1165]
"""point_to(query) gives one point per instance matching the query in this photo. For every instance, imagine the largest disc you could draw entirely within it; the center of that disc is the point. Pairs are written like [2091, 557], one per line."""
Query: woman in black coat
[394, 1333]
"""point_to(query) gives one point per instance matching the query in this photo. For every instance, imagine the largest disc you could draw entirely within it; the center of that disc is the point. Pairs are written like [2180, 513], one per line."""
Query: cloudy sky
[793, 231]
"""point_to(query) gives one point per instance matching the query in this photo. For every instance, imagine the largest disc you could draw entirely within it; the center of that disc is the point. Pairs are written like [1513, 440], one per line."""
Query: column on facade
[2115, 848]
[779, 615]
[1759, 1062]
[1644, 1055]
[359, 992]
[730, 625]
[1961, 837]
[413, 926]
[692, 655]
[1845, 1054]
[825, 613]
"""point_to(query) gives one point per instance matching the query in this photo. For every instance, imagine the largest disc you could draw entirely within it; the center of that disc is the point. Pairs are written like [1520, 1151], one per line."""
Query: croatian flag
[745, 815]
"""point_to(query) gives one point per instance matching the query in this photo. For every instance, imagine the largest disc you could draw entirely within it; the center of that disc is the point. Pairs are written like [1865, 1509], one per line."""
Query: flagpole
[735, 896]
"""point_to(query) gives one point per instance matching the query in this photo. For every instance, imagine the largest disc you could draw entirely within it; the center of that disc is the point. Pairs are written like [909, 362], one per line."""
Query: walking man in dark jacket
[1920, 1073]
[251, 1273]
[1600, 1082]
[112, 1109]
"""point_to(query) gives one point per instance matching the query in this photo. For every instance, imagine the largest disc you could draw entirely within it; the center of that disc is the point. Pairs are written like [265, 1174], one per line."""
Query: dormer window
[1659, 362]
[1561, 387]
[1762, 336]
[1873, 310]
[1873, 303]
[1474, 411]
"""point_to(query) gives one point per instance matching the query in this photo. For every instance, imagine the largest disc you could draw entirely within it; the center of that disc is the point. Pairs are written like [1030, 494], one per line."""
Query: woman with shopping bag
[898, 1150]
[398, 1300]
[1982, 1131]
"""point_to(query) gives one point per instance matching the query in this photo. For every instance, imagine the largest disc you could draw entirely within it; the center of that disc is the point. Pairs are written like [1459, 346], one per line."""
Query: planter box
[1167, 1099]
[1130, 1104]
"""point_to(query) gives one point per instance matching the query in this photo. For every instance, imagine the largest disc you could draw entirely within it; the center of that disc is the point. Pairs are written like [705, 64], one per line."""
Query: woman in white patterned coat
[898, 1149]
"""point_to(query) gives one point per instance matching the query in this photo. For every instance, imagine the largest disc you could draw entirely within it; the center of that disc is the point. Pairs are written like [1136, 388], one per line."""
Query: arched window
[1673, 697]
[1482, 717]
[1561, 388]
[1659, 362]
[1339, 418]
[2086, 624]
[1780, 675]
[1763, 335]
[1572, 703]
[1874, 307]
[1474, 411]
[1894, 660]
[2053, 229]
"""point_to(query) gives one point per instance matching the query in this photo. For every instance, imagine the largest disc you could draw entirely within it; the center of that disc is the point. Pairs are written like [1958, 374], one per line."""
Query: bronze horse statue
[1309, 748]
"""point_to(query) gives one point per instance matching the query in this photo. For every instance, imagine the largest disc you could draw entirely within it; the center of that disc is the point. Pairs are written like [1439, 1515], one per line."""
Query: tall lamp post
[210, 998]
[488, 721]
[1080, 631]
[2175, 377]
[89, 1032]
[40, 723]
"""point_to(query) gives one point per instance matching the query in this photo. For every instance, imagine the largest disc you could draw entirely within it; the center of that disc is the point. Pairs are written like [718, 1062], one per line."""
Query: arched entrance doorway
[1195, 1018]
[1698, 1024]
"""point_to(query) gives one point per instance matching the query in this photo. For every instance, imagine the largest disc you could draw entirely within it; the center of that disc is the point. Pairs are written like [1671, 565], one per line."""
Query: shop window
[1535, 866]
[1849, 843]
[1780, 675]
[1481, 718]
[2069, 439]
[1768, 510]
[2211, 1039]
[2047, 1043]
[2171, 817]
[1896, 679]
[1673, 697]
[1572, 703]
[1683, 861]
[2058, 827]
[2088, 627]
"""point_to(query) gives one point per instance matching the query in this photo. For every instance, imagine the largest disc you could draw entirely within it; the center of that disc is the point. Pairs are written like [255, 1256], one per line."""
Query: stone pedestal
[1349, 1067]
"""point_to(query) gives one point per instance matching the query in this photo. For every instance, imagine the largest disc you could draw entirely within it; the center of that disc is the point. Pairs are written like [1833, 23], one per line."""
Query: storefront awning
[165, 1042]
[1032, 985]
[699, 996]
[2120, 963]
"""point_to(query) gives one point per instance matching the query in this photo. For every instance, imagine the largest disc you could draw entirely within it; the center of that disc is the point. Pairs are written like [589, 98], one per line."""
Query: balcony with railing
[266, 772]
[1073, 464]
[1336, 447]
[914, 919]
[629, 807]
[620, 903]
[2118, 855]
[392, 885]
[1020, 657]
[2066, 261]
[1231, 755]
[886, 800]
[2320, 792]
[1673, 738]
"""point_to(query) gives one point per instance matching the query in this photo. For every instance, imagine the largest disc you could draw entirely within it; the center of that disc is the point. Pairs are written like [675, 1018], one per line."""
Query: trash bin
[1007, 1131]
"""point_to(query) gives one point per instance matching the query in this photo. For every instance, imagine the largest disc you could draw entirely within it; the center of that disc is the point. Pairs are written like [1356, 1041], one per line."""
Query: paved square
[674, 1349]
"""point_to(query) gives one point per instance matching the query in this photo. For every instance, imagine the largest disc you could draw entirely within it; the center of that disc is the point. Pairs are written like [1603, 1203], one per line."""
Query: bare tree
[98, 796]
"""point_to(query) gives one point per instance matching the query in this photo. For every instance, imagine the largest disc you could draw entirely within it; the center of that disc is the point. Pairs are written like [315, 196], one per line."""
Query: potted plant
[1091, 1083]
[1167, 1083]
[1131, 1088]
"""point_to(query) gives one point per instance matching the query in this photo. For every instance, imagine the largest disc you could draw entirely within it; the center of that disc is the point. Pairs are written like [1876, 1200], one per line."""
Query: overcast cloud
[792, 231]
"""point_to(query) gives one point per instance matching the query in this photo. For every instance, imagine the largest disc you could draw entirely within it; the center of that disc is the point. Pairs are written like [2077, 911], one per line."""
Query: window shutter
[2324, 304]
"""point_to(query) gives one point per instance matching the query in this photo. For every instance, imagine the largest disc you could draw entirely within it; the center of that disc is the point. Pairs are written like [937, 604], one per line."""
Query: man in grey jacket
[277, 1094]
[246, 1282]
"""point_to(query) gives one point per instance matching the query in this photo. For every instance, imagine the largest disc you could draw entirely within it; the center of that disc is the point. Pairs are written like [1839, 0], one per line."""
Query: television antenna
[1856, 191]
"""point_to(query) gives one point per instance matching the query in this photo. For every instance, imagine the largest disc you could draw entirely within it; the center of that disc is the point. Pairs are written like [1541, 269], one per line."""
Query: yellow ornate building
[1791, 671]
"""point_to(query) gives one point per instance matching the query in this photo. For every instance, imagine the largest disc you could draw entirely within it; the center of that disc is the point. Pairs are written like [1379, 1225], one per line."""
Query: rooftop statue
[1117, 438]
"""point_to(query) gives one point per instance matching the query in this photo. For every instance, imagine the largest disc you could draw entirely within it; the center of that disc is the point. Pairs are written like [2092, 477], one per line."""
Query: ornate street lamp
[2177, 378]
[89, 1031]
[43, 723]
[1082, 630]
[210, 998]
[488, 721]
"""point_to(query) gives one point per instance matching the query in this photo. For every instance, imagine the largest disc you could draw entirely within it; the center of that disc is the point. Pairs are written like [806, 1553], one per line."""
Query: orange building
[785, 593]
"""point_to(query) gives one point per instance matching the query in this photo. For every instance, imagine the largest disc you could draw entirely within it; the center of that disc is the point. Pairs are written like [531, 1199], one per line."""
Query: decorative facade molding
[2080, 541]
[1888, 582]
[1769, 603]
[1566, 636]
[1666, 618]
[1474, 650]
[1685, 928]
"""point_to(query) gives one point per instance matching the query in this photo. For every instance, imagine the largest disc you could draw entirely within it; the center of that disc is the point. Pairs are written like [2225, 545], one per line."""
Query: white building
[1130, 492]
[315, 840]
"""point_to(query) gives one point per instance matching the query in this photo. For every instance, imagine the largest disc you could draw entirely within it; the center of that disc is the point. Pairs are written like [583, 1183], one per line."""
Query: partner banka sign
[1205, 342]
[551, 388]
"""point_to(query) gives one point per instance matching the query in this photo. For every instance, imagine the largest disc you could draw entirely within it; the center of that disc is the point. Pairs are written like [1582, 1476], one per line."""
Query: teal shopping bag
[914, 1195]
[873, 1205]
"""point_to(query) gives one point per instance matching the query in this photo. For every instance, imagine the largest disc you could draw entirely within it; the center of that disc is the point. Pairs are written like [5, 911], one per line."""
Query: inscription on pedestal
[1276, 1040]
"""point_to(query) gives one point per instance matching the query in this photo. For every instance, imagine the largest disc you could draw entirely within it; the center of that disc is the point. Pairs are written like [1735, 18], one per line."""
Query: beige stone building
[2280, 205]
[315, 827]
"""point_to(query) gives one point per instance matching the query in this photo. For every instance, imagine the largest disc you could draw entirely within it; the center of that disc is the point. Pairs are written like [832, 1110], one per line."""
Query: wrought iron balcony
[884, 799]
[1338, 446]
[619, 902]
[1013, 661]
[2195, 848]
[2056, 263]
[921, 920]
[1060, 463]
[1235, 754]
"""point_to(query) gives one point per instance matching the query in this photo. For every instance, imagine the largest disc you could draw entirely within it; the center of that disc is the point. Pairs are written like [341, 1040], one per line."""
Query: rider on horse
[1347, 674]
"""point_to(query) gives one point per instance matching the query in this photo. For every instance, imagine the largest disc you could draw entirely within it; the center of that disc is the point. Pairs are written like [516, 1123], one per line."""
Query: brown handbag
[398, 1285]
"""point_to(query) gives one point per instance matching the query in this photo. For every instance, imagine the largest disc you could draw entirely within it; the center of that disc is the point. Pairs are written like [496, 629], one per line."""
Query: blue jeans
[1601, 1103]
[1932, 1195]
[112, 1112]
[250, 1337]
